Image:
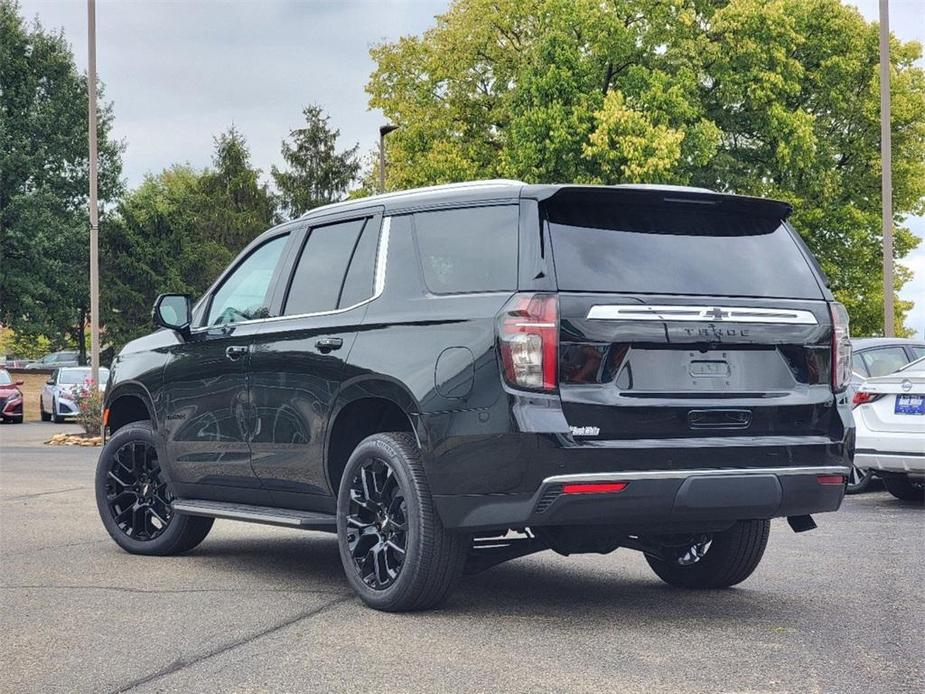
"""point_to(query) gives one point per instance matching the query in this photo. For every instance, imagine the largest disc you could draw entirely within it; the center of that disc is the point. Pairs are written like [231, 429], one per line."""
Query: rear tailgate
[690, 317]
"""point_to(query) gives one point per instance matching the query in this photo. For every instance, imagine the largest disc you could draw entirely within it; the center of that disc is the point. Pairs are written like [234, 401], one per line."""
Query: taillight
[528, 340]
[861, 397]
[830, 479]
[841, 347]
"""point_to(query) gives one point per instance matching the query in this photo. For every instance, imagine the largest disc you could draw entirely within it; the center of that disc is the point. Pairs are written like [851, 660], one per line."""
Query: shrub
[90, 409]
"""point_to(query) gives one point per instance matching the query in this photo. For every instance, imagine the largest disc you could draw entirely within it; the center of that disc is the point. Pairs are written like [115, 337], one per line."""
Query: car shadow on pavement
[540, 585]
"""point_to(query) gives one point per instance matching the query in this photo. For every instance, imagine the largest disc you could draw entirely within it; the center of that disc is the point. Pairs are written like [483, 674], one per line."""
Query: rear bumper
[653, 501]
[886, 461]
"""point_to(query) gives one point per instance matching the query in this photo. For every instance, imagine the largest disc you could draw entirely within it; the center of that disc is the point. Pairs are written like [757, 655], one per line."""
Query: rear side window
[675, 248]
[319, 274]
[358, 284]
[885, 360]
[468, 250]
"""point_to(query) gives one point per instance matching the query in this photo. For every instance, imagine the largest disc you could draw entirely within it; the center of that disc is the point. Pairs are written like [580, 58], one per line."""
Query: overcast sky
[179, 73]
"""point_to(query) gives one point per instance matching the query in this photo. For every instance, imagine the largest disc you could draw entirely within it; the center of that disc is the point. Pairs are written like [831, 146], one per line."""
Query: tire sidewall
[379, 446]
[137, 431]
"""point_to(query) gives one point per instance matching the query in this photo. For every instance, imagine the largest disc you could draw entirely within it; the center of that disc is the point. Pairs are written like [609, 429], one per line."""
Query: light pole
[383, 131]
[94, 210]
[886, 158]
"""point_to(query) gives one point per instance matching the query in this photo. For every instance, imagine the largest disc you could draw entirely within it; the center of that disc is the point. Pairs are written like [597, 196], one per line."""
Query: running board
[307, 520]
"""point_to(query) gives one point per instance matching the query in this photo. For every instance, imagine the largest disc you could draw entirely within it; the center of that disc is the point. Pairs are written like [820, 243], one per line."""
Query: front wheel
[134, 499]
[55, 417]
[904, 488]
[718, 561]
[396, 553]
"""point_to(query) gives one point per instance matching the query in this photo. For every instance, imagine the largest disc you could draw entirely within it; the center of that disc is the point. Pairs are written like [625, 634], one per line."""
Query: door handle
[235, 352]
[329, 344]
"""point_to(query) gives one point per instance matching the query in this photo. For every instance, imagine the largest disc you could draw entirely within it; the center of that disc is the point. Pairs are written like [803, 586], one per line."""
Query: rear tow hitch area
[800, 524]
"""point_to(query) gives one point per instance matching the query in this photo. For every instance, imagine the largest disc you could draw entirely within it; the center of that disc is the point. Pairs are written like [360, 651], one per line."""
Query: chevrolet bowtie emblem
[715, 314]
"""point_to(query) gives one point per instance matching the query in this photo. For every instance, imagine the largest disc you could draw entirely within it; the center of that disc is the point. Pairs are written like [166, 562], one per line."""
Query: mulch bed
[74, 440]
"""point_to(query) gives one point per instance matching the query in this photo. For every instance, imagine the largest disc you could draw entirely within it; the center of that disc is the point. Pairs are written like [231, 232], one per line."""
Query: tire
[131, 455]
[903, 488]
[57, 419]
[45, 416]
[385, 476]
[731, 557]
[859, 480]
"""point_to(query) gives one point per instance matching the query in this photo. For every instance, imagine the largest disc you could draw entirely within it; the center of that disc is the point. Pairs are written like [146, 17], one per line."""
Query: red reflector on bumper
[594, 488]
[830, 479]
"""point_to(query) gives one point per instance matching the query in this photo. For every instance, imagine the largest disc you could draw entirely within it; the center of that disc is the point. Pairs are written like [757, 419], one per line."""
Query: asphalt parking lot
[256, 608]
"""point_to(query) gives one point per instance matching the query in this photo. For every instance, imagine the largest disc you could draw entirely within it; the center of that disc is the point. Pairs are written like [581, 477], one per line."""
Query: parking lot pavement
[256, 608]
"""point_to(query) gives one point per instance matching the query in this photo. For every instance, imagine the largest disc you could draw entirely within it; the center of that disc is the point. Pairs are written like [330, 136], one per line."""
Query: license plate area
[910, 404]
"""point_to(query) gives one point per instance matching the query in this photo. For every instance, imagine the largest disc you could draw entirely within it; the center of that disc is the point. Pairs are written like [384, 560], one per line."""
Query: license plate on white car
[910, 404]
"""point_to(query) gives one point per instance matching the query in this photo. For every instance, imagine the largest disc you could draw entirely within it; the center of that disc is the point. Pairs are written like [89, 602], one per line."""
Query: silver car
[55, 360]
[57, 402]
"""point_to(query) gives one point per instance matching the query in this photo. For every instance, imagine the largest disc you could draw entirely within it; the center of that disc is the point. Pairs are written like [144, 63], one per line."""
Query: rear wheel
[904, 488]
[396, 553]
[859, 480]
[134, 499]
[718, 561]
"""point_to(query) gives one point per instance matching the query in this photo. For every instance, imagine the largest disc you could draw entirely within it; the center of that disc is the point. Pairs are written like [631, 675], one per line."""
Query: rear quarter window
[676, 248]
[473, 249]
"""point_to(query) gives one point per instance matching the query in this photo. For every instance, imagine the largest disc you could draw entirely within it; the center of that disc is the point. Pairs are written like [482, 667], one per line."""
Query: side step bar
[307, 520]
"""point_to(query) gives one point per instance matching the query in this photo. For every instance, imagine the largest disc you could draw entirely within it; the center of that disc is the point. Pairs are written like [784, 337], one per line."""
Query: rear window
[679, 248]
[468, 250]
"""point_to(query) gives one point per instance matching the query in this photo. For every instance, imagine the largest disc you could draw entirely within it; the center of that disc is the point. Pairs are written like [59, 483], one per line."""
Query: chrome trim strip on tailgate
[684, 474]
[732, 314]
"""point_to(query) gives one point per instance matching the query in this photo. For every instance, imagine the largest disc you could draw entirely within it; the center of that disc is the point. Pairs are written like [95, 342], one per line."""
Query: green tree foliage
[763, 97]
[317, 173]
[44, 223]
[177, 231]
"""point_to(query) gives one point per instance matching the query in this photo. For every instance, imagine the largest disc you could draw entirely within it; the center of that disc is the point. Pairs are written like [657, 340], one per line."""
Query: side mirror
[50, 382]
[19, 383]
[174, 311]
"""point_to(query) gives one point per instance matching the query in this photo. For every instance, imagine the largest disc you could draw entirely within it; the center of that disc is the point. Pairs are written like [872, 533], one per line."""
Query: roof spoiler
[659, 195]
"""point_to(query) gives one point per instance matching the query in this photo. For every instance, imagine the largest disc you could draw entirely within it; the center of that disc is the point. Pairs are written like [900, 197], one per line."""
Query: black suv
[456, 376]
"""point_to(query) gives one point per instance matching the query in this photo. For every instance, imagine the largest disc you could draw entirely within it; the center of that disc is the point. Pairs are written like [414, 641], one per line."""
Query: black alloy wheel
[396, 554]
[133, 496]
[137, 496]
[377, 524]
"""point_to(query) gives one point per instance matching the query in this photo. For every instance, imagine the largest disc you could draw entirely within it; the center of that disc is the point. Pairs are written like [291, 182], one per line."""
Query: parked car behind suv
[456, 376]
[55, 360]
[872, 357]
[890, 415]
[11, 409]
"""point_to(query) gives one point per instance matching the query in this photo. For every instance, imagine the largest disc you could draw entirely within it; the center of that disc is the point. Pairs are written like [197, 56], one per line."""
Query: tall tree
[317, 173]
[177, 231]
[761, 97]
[44, 225]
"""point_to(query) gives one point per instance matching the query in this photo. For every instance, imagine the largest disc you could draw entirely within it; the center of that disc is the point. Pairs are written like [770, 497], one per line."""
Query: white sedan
[58, 399]
[889, 412]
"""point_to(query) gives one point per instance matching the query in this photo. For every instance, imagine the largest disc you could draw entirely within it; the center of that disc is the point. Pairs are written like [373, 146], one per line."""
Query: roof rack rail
[485, 183]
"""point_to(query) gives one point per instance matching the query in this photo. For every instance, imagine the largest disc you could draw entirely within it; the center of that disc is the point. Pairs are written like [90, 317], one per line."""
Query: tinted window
[358, 285]
[243, 294]
[322, 264]
[678, 248]
[468, 250]
[886, 360]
